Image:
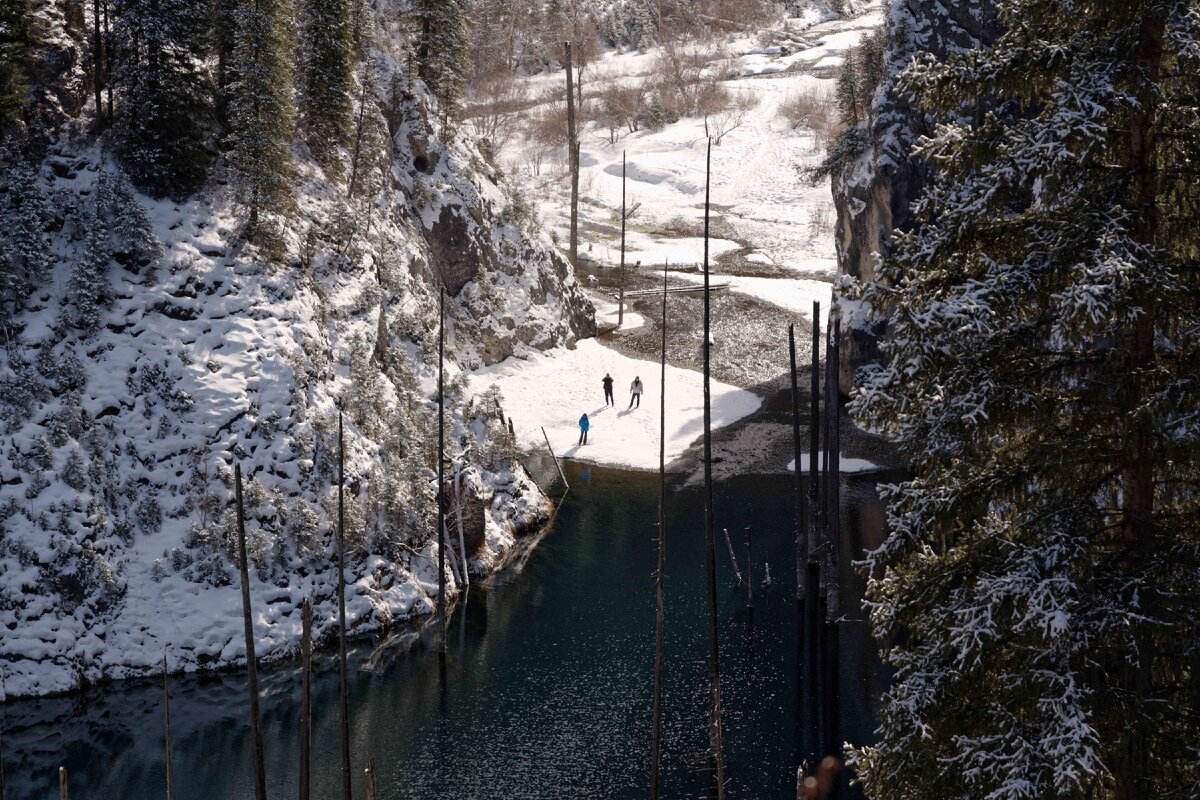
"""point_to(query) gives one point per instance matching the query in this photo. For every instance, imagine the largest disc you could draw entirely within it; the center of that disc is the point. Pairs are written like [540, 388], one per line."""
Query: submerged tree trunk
[714, 655]
[306, 617]
[659, 576]
[166, 735]
[260, 778]
[343, 677]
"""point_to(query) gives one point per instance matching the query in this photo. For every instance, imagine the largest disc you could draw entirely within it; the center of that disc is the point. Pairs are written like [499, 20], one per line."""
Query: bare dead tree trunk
[833, 581]
[306, 619]
[737, 573]
[372, 780]
[621, 277]
[62, 783]
[659, 576]
[462, 541]
[441, 467]
[343, 677]
[167, 732]
[801, 533]
[260, 778]
[572, 156]
[814, 440]
[749, 568]
[714, 655]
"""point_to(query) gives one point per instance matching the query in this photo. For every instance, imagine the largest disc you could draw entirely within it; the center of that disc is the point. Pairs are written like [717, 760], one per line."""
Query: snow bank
[848, 466]
[554, 389]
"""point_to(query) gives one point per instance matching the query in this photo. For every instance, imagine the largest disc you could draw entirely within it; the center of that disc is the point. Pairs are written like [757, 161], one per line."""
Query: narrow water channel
[548, 675]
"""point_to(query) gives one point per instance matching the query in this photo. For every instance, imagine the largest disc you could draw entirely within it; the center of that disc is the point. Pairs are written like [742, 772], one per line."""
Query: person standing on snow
[584, 424]
[635, 392]
[608, 393]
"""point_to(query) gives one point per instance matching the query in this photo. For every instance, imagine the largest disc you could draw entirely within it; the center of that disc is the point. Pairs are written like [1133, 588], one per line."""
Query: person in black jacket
[608, 393]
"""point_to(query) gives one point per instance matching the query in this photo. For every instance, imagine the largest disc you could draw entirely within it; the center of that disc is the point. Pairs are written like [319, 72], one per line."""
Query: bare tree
[719, 124]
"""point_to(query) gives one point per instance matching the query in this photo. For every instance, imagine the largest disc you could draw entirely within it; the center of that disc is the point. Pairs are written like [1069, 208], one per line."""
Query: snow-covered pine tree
[89, 287]
[114, 227]
[849, 96]
[262, 115]
[164, 103]
[25, 256]
[443, 50]
[327, 82]
[1037, 591]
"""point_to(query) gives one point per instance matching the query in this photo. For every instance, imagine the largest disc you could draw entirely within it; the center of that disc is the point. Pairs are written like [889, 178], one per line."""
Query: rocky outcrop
[872, 194]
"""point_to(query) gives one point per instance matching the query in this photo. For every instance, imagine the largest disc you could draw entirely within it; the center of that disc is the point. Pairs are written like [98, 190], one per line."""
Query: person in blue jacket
[583, 429]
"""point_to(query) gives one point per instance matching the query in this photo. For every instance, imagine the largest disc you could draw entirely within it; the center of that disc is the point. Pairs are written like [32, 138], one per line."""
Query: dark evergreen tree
[25, 256]
[164, 102]
[849, 95]
[20, 32]
[262, 115]
[1037, 591]
[114, 228]
[327, 85]
[443, 50]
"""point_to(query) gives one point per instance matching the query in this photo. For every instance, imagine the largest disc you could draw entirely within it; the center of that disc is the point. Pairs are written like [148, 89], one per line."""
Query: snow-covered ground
[756, 187]
[553, 389]
[847, 465]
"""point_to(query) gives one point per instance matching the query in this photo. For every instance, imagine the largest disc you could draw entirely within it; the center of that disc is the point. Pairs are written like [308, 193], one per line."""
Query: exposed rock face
[513, 289]
[872, 195]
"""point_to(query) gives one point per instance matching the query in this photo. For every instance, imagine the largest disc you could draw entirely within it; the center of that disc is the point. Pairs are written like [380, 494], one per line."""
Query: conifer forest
[600, 399]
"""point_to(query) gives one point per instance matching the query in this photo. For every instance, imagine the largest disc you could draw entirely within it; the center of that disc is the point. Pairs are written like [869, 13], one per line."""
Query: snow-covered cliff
[129, 391]
[873, 189]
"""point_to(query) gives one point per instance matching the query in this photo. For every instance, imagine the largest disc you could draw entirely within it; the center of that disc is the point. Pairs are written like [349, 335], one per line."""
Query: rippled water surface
[547, 678]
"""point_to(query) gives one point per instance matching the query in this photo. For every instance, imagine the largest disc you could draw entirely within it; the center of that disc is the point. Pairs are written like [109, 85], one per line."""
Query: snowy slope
[117, 445]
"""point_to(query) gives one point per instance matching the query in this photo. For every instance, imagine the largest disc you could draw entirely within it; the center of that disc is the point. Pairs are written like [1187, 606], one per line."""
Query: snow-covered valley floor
[767, 221]
[772, 240]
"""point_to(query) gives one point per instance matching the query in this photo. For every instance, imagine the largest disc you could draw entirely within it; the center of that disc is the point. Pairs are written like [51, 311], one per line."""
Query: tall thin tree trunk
[109, 58]
[749, 568]
[260, 777]
[97, 64]
[306, 619]
[1131, 766]
[343, 676]
[801, 542]
[801, 534]
[814, 440]
[660, 600]
[572, 157]
[714, 655]
[462, 540]
[621, 277]
[166, 732]
[62, 784]
[441, 466]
